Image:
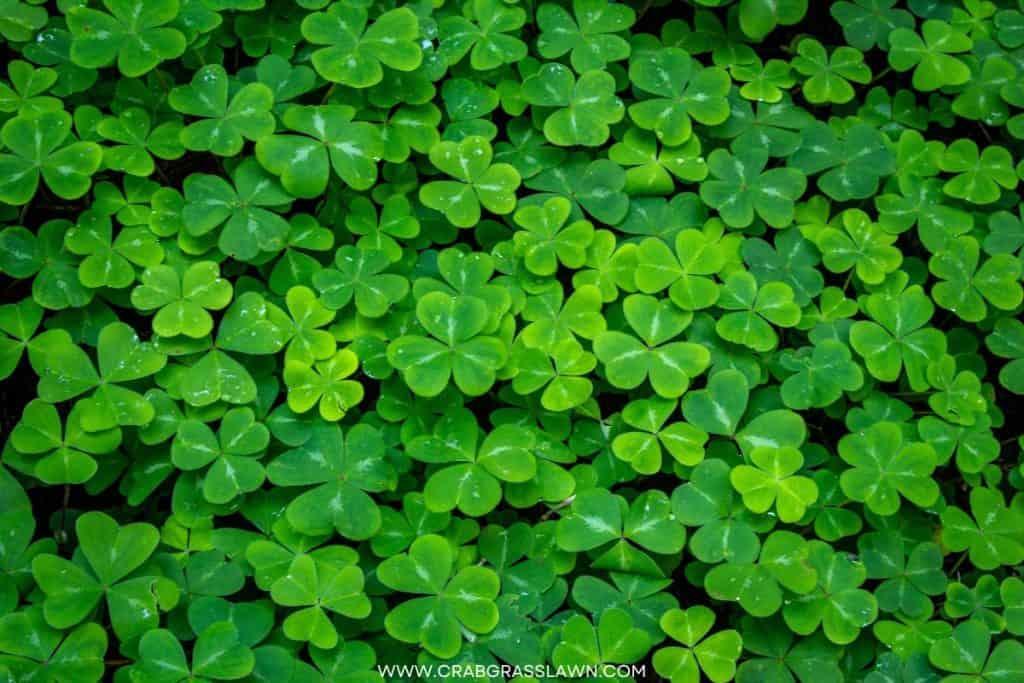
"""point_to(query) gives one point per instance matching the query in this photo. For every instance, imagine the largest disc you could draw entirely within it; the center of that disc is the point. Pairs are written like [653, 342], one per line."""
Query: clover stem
[958, 562]
[330, 91]
[564, 504]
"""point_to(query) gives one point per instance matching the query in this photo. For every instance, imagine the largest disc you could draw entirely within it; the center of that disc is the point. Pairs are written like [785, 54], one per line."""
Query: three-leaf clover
[135, 33]
[980, 175]
[355, 51]
[838, 603]
[486, 39]
[358, 276]
[329, 139]
[60, 455]
[455, 350]
[643, 448]
[823, 373]
[226, 123]
[861, 245]
[107, 555]
[246, 227]
[66, 371]
[773, 480]
[590, 38]
[546, 240]
[715, 655]
[743, 188]
[108, 260]
[316, 586]
[32, 650]
[992, 538]
[930, 54]
[232, 454]
[477, 182]
[885, 467]
[584, 107]
[755, 310]
[471, 481]
[758, 586]
[342, 468]
[615, 640]
[182, 300]
[964, 287]
[683, 91]
[670, 365]
[326, 383]
[454, 599]
[965, 653]
[898, 338]
[42, 145]
[829, 76]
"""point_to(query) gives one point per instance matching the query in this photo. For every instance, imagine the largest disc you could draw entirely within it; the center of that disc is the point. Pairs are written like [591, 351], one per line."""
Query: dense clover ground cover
[540, 333]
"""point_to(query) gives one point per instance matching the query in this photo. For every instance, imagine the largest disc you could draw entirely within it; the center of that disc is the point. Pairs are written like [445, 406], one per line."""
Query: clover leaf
[670, 365]
[899, 339]
[930, 54]
[33, 650]
[66, 372]
[356, 51]
[486, 40]
[714, 655]
[135, 33]
[325, 383]
[615, 640]
[42, 145]
[232, 453]
[109, 554]
[743, 188]
[992, 539]
[237, 209]
[758, 18]
[965, 287]
[756, 309]
[773, 479]
[342, 468]
[329, 139]
[545, 239]
[584, 107]
[758, 586]
[643, 448]
[966, 652]
[455, 350]
[453, 599]
[886, 467]
[838, 604]
[62, 454]
[590, 38]
[682, 92]
[318, 587]
[472, 483]
[862, 246]
[477, 182]
[226, 123]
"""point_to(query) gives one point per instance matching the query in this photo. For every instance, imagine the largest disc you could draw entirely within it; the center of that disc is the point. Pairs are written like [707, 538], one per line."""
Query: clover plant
[634, 339]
